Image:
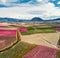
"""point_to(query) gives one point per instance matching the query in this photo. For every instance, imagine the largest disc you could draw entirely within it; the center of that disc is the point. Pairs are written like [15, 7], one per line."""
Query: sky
[27, 9]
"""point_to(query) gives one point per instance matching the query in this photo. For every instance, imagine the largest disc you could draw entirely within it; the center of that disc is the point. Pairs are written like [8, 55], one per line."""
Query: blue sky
[6, 2]
[46, 9]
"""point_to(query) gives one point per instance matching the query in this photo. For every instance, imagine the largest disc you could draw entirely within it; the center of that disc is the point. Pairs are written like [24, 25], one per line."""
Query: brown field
[48, 39]
[6, 41]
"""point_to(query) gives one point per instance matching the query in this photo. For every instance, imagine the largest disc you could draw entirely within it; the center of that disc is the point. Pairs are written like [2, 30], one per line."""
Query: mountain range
[24, 20]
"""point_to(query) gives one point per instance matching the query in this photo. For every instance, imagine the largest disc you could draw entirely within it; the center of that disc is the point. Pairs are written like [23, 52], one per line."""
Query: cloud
[43, 9]
[7, 1]
[36, 12]
[18, 2]
[58, 2]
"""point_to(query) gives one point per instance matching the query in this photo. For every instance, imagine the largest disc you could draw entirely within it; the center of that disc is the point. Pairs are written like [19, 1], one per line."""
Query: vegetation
[18, 51]
[58, 54]
[32, 30]
[42, 28]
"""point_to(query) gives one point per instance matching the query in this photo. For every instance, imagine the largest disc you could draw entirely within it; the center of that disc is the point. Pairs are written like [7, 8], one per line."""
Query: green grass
[39, 30]
[58, 54]
[18, 51]
[45, 28]
[30, 28]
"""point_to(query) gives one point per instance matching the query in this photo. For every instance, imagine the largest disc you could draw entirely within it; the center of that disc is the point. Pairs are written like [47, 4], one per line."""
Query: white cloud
[44, 10]
[7, 2]
[39, 0]
[58, 2]
[4, 1]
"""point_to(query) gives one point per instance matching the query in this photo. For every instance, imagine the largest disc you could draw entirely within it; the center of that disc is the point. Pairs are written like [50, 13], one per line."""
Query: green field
[17, 51]
[58, 54]
[32, 30]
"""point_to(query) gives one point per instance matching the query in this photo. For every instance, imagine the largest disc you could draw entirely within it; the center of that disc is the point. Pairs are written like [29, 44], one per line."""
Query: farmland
[32, 35]
[32, 30]
[6, 42]
[40, 39]
[17, 51]
[42, 52]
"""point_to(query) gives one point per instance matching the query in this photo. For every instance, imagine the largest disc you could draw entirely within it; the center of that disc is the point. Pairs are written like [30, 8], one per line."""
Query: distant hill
[10, 20]
[1, 5]
[19, 20]
[24, 20]
[57, 19]
[36, 19]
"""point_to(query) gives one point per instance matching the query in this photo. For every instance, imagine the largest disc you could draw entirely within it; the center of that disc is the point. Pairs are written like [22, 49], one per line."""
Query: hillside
[10, 20]
[24, 20]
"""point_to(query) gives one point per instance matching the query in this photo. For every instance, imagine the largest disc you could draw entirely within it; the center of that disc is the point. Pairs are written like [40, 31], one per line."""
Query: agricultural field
[46, 39]
[33, 39]
[6, 41]
[29, 28]
[18, 50]
[33, 30]
[42, 52]
[26, 50]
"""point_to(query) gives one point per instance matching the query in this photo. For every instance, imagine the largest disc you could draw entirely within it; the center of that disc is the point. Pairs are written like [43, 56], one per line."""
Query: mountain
[19, 20]
[36, 19]
[1, 5]
[10, 20]
[32, 20]
[57, 19]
